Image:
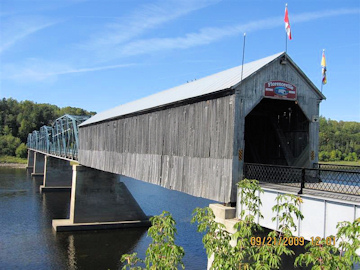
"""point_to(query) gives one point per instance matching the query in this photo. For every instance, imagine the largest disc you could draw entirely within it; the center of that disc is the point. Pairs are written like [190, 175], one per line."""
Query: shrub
[162, 253]
[21, 151]
[8, 145]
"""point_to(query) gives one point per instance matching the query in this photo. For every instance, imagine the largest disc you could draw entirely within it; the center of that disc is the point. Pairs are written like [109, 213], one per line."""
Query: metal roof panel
[220, 81]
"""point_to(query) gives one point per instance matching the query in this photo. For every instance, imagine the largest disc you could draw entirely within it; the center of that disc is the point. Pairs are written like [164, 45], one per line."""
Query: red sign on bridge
[280, 90]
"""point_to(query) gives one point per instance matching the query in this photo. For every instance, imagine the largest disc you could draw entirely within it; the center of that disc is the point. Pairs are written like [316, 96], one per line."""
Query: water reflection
[97, 249]
[13, 193]
[55, 204]
[88, 249]
[28, 241]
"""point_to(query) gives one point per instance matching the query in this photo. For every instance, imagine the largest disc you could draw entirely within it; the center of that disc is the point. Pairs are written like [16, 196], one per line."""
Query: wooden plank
[185, 148]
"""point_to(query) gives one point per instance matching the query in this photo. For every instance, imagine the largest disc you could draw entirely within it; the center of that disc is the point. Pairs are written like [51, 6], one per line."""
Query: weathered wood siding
[187, 148]
[196, 148]
[251, 92]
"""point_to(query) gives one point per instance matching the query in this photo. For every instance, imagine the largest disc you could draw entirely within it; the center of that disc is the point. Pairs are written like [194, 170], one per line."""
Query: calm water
[27, 240]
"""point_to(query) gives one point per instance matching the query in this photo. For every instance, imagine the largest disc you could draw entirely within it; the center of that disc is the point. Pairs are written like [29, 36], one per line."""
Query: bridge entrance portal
[277, 132]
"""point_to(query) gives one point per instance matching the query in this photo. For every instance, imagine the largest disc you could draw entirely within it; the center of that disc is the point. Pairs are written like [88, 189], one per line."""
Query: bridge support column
[226, 216]
[100, 201]
[30, 160]
[39, 161]
[57, 174]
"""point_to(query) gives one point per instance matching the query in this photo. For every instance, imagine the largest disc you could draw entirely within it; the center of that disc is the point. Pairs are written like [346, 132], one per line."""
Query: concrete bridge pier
[30, 160]
[39, 162]
[100, 201]
[57, 174]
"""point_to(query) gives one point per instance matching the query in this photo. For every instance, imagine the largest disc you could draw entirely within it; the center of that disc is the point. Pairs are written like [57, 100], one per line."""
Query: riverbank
[342, 162]
[13, 162]
[13, 165]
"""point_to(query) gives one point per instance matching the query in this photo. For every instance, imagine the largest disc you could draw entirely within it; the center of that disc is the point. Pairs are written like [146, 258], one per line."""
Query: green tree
[287, 206]
[328, 257]
[216, 240]
[74, 111]
[6, 130]
[9, 111]
[26, 127]
[341, 137]
[238, 251]
[162, 253]
[8, 145]
[324, 156]
[18, 119]
[21, 151]
[351, 157]
[244, 254]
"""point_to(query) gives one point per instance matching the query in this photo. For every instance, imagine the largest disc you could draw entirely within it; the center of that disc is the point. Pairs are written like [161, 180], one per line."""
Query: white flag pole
[286, 31]
[243, 57]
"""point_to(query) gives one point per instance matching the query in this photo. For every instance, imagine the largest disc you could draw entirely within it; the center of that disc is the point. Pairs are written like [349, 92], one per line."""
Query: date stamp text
[291, 241]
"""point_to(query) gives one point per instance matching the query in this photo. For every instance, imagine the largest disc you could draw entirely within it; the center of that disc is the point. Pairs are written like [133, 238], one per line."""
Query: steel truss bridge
[60, 139]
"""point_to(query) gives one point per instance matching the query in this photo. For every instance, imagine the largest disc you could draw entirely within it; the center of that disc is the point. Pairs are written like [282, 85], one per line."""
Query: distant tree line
[18, 119]
[339, 140]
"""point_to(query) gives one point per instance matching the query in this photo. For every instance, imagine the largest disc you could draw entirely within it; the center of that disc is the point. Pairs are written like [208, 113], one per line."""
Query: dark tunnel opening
[277, 132]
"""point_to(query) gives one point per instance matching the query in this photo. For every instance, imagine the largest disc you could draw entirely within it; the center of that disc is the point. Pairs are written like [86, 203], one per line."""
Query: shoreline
[14, 165]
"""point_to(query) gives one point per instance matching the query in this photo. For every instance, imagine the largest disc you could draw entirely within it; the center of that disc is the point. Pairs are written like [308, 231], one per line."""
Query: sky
[97, 55]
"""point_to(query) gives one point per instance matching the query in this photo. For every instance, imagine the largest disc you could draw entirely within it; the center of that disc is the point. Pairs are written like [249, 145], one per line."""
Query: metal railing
[338, 181]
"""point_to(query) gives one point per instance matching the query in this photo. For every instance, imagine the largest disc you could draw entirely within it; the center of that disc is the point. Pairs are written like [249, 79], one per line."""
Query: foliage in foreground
[162, 253]
[244, 254]
[238, 251]
[328, 257]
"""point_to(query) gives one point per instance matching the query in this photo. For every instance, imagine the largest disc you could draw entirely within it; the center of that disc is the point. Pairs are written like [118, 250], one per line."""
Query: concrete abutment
[100, 201]
[39, 163]
[30, 160]
[57, 174]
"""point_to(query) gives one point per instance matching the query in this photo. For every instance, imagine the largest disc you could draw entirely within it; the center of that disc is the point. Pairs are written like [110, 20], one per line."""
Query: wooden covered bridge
[201, 138]
[195, 138]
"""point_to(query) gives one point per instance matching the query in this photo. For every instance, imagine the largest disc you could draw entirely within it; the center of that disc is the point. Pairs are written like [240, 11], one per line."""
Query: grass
[11, 159]
[351, 163]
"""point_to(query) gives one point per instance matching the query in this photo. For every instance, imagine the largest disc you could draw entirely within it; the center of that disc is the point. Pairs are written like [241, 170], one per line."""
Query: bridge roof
[223, 80]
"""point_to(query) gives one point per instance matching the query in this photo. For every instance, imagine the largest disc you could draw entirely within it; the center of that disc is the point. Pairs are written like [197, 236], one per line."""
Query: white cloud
[143, 19]
[19, 28]
[310, 16]
[203, 37]
[214, 34]
[81, 70]
[113, 36]
[123, 43]
[39, 70]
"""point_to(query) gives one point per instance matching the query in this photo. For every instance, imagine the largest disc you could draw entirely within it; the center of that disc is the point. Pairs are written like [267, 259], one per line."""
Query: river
[27, 240]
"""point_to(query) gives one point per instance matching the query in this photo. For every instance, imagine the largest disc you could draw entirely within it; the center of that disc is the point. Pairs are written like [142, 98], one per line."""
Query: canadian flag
[287, 23]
